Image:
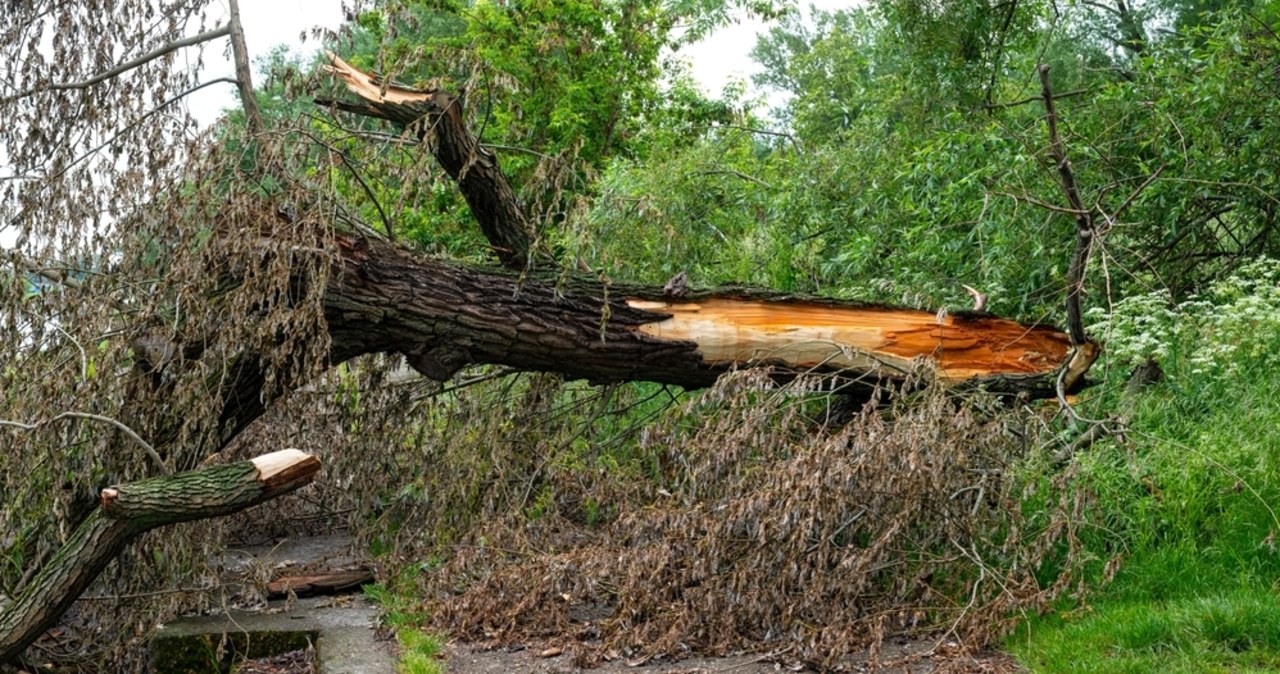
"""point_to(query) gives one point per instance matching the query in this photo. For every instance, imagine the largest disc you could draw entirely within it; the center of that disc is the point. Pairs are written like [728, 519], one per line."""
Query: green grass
[1232, 631]
[1189, 502]
[420, 651]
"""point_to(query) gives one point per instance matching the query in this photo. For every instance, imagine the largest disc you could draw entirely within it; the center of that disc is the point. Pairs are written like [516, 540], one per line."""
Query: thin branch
[126, 66]
[995, 61]
[1098, 5]
[1230, 183]
[386, 221]
[56, 275]
[136, 122]
[750, 129]
[1034, 99]
[1036, 202]
[84, 357]
[381, 136]
[244, 75]
[1084, 218]
[1264, 24]
[478, 379]
[1124, 206]
[59, 275]
[122, 427]
[737, 174]
[153, 593]
[515, 148]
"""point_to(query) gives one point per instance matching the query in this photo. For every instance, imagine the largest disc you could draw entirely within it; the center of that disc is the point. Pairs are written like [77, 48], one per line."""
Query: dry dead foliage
[137, 282]
[744, 521]
[293, 662]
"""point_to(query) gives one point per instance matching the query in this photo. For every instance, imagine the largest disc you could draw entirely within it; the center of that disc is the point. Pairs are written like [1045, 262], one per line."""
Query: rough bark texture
[130, 510]
[444, 316]
[435, 117]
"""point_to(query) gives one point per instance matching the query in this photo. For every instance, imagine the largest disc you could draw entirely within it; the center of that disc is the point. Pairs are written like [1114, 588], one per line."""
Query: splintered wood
[812, 335]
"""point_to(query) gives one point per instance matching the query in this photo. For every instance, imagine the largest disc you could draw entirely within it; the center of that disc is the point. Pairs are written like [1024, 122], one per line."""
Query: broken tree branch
[445, 316]
[127, 511]
[436, 118]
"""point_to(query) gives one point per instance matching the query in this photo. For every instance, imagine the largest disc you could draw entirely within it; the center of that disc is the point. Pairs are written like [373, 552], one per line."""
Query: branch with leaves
[125, 67]
[152, 454]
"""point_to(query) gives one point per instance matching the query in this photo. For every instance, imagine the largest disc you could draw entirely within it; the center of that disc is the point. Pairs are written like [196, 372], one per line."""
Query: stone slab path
[341, 630]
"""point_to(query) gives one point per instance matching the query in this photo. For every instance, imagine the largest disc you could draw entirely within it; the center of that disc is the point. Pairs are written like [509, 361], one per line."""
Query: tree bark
[435, 117]
[129, 510]
[444, 316]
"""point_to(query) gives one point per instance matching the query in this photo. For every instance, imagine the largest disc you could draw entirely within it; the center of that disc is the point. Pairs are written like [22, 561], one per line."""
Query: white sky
[267, 23]
[723, 56]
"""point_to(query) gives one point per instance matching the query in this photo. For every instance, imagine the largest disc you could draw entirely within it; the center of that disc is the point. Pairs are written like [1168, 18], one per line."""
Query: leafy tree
[561, 88]
[911, 190]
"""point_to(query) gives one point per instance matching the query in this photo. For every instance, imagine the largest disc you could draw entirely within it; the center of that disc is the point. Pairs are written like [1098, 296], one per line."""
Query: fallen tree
[127, 511]
[443, 317]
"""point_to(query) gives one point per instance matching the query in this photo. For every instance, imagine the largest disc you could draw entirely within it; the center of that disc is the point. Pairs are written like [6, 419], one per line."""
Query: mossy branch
[129, 510]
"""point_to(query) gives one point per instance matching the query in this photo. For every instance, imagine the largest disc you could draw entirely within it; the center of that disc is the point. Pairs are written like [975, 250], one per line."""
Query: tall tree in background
[910, 177]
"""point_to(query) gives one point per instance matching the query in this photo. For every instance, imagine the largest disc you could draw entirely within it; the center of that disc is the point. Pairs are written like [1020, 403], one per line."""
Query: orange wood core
[808, 334]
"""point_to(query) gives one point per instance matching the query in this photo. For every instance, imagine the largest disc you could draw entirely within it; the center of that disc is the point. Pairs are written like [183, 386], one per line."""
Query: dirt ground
[924, 656]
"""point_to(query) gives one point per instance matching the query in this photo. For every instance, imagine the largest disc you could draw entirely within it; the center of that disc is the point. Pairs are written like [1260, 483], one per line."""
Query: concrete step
[342, 631]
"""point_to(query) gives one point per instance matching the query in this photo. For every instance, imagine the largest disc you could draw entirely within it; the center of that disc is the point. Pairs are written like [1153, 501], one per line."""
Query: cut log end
[285, 470]
[130, 509]
[269, 465]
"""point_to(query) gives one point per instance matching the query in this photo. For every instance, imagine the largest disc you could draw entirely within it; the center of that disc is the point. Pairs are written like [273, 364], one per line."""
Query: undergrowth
[420, 649]
[1186, 495]
[639, 521]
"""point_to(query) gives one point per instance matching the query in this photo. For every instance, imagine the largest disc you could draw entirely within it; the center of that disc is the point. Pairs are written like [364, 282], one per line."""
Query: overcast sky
[716, 60]
[268, 23]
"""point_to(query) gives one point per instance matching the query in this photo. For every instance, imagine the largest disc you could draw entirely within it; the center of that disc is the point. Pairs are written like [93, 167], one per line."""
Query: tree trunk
[129, 510]
[444, 316]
